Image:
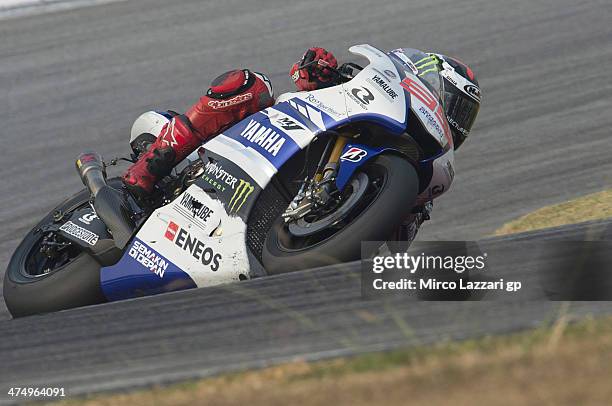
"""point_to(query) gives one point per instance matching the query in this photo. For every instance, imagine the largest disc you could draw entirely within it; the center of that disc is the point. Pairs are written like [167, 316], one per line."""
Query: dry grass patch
[563, 365]
[595, 206]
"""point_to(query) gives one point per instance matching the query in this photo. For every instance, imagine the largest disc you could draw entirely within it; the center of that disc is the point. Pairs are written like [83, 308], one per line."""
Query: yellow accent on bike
[334, 157]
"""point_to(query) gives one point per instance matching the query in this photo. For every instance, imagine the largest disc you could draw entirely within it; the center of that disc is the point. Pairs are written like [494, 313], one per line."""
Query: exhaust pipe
[109, 203]
[91, 171]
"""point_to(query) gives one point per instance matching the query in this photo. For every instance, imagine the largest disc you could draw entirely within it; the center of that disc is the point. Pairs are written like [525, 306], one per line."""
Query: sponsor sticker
[390, 74]
[241, 98]
[446, 74]
[189, 206]
[472, 91]
[192, 245]
[88, 218]
[171, 231]
[456, 126]
[268, 139]
[322, 106]
[240, 196]
[432, 121]
[148, 258]
[287, 124]
[383, 86]
[218, 177]
[80, 233]
[362, 96]
[354, 154]
[221, 180]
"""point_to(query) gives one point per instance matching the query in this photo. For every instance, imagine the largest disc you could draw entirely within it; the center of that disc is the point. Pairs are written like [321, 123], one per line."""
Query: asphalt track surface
[75, 80]
[306, 315]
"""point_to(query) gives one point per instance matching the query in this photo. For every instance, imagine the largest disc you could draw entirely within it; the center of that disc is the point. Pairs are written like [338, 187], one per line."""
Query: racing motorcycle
[298, 185]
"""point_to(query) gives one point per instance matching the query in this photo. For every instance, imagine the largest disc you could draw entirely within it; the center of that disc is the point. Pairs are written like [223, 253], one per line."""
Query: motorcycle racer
[255, 204]
[238, 93]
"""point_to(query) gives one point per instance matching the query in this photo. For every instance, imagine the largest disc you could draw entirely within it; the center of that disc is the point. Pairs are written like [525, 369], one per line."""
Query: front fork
[325, 170]
[408, 230]
[318, 192]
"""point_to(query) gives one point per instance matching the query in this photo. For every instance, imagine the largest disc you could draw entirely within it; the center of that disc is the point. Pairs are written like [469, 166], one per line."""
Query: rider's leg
[231, 97]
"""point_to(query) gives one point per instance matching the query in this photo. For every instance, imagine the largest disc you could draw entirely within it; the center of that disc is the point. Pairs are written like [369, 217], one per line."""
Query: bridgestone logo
[80, 233]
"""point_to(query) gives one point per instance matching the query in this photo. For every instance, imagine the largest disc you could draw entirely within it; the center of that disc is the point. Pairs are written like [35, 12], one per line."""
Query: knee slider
[231, 83]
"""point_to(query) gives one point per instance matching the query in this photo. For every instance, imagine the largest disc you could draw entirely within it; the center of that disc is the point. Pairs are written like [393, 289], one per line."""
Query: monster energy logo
[243, 191]
[431, 62]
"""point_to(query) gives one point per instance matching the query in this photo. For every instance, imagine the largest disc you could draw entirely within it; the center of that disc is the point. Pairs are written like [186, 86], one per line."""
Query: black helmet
[461, 97]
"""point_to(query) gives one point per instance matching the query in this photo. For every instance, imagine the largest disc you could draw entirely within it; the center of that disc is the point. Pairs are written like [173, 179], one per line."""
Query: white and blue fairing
[386, 92]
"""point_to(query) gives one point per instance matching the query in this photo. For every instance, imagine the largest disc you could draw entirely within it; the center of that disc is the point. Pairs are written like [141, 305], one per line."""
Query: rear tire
[376, 222]
[74, 284]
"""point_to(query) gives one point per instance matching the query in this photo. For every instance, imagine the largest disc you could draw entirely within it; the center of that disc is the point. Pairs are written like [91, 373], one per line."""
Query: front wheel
[383, 203]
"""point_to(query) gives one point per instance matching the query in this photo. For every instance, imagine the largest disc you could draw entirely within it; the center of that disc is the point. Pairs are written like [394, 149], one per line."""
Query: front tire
[375, 222]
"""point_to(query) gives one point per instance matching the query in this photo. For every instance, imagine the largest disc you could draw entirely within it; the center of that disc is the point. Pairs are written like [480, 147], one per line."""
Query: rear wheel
[38, 283]
[378, 199]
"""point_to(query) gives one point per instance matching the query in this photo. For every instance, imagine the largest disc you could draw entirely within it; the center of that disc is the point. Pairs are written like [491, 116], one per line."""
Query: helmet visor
[461, 111]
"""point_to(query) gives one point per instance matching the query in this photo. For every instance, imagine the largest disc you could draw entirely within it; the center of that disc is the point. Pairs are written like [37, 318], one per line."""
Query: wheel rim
[377, 178]
[39, 265]
[304, 228]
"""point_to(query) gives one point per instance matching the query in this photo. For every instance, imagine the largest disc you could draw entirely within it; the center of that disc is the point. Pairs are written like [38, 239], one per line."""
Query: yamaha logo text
[265, 137]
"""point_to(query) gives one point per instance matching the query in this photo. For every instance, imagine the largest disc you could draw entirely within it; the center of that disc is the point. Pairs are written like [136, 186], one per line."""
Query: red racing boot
[231, 97]
[174, 143]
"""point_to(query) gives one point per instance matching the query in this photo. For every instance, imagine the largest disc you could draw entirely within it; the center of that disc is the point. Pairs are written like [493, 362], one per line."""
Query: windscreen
[424, 65]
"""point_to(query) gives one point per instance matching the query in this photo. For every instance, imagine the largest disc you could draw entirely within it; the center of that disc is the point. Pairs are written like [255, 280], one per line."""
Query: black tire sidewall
[393, 204]
[72, 285]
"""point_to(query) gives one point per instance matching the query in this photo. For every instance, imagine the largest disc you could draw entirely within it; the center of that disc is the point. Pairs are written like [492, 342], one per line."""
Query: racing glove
[313, 70]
